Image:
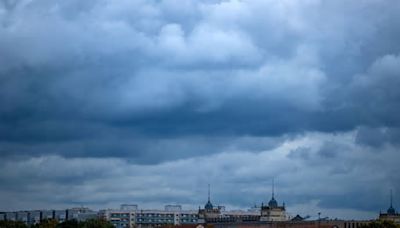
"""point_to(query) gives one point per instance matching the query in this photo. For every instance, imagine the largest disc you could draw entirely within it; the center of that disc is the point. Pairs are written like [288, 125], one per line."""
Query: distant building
[296, 224]
[11, 216]
[23, 216]
[297, 218]
[130, 207]
[119, 218]
[60, 215]
[391, 214]
[36, 216]
[46, 214]
[271, 215]
[78, 213]
[173, 208]
[209, 212]
[273, 212]
[172, 215]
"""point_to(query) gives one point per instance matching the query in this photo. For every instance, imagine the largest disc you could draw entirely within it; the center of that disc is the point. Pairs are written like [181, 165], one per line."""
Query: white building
[172, 215]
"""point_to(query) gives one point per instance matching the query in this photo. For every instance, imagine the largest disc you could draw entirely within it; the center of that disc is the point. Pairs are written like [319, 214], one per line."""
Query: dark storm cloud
[170, 82]
[139, 149]
[153, 86]
[377, 137]
[375, 92]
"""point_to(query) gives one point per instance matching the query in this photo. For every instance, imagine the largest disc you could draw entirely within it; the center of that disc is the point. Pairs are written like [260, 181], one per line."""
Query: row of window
[163, 220]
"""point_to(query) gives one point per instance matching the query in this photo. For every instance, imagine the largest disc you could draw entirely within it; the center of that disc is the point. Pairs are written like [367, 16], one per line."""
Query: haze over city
[106, 102]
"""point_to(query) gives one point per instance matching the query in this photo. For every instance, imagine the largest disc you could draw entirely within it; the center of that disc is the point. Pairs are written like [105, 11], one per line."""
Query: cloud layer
[153, 89]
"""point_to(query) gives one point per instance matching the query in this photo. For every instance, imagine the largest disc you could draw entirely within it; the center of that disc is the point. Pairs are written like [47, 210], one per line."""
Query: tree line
[52, 223]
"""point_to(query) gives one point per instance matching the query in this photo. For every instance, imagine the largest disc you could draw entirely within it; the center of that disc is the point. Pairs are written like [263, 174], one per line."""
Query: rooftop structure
[208, 205]
[272, 211]
[391, 214]
[209, 211]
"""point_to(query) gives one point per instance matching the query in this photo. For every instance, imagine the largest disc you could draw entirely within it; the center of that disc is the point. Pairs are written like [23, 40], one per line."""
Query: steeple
[391, 198]
[391, 210]
[209, 205]
[208, 192]
[272, 203]
[273, 188]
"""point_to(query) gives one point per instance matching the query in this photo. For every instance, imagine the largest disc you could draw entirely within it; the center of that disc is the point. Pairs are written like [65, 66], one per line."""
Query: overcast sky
[104, 102]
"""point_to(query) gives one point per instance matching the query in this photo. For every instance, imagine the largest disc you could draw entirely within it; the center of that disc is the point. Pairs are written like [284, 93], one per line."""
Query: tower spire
[391, 210]
[391, 198]
[209, 205]
[273, 188]
[272, 203]
[208, 192]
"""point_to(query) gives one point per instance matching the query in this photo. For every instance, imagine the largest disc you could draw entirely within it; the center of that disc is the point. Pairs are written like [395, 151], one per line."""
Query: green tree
[12, 224]
[68, 224]
[96, 223]
[46, 223]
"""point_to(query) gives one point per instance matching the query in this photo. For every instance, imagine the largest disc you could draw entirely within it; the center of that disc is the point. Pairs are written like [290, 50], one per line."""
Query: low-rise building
[22, 216]
[11, 216]
[34, 217]
[149, 218]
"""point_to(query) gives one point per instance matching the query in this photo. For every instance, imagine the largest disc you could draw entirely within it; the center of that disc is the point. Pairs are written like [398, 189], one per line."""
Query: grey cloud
[330, 150]
[377, 137]
[105, 182]
[300, 152]
[376, 92]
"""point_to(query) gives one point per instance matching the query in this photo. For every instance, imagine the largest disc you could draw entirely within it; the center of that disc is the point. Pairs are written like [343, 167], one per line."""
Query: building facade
[171, 215]
[36, 216]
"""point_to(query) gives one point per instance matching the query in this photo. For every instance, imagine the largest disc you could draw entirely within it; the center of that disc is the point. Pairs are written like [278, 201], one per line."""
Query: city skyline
[106, 102]
[251, 208]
